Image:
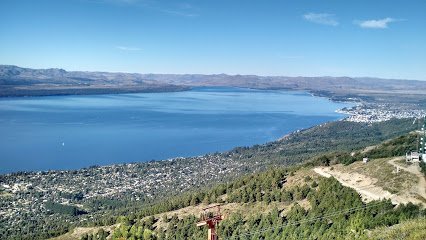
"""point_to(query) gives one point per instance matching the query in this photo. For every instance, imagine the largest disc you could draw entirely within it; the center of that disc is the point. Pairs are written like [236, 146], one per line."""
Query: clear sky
[384, 38]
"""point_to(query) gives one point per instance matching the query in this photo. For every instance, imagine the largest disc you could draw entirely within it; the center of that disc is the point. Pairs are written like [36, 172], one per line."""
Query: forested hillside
[333, 212]
[310, 207]
[96, 196]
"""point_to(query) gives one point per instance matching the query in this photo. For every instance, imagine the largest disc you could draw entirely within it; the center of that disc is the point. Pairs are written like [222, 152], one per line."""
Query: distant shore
[89, 90]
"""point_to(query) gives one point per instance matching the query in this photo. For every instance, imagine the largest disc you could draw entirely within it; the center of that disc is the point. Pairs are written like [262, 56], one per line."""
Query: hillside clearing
[378, 179]
[76, 233]
[247, 209]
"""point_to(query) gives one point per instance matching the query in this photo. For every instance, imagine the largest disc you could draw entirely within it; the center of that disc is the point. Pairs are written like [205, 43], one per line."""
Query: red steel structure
[211, 220]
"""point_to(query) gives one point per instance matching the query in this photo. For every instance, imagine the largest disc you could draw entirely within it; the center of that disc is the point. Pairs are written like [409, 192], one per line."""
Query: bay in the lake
[70, 132]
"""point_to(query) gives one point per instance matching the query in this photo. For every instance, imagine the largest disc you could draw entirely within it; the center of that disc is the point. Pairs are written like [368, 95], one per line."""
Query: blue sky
[293, 38]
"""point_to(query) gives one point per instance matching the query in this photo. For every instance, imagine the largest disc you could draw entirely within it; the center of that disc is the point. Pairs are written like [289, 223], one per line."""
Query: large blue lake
[70, 132]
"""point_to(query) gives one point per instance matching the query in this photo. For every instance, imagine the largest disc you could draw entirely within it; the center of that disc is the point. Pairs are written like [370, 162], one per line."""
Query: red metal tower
[210, 219]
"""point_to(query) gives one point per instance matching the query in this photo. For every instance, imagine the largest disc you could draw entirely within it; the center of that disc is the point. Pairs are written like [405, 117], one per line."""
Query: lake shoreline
[229, 147]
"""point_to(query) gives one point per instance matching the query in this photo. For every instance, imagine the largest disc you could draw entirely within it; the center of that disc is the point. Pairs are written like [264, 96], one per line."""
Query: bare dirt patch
[300, 178]
[377, 179]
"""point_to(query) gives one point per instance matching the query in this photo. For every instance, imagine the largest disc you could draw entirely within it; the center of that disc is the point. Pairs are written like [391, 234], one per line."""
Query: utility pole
[211, 220]
[419, 133]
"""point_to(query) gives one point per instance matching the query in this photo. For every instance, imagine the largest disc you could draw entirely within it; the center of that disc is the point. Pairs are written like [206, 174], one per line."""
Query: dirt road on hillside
[420, 187]
[362, 184]
[369, 191]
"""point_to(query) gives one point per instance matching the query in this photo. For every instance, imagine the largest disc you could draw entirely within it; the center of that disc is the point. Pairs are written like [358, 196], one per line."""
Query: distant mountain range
[17, 81]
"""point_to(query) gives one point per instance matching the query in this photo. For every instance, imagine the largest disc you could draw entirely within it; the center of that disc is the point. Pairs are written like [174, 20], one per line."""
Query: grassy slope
[76, 233]
[408, 230]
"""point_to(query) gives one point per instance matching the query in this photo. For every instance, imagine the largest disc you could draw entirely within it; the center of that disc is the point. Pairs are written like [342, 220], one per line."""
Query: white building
[412, 157]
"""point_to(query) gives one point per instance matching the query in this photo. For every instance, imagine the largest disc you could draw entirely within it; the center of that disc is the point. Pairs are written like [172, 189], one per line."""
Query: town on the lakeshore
[370, 113]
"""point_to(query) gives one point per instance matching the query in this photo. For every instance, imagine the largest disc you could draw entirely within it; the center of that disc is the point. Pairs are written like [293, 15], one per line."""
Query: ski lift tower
[211, 220]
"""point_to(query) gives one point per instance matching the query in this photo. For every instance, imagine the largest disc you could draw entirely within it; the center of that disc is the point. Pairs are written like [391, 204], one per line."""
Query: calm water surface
[69, 132]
